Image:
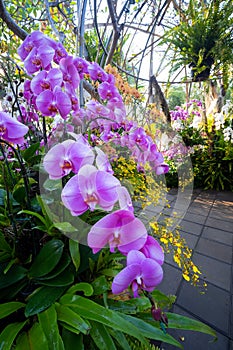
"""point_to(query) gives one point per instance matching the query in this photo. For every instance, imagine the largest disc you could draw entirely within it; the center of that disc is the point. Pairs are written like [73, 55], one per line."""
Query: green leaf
[101, 336]
[9, 334]
[64, 279]
[42, 298]
[92, 311]
[100, 285]
[52, 185]
[38, 216]
[34, 339]
[72, 340]
[48, 322]
[186, 323]
[65, 314]
[74, 252]
[14, 274]
[65, 227]
[149, 331]
[30, 151]
[120, 338]
[60, 267]
[84, 287]
[47, 258]
[8, 308]
[4, 246]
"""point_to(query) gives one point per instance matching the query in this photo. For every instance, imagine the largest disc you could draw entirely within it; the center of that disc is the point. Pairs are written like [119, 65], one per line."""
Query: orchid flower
[67, 156]
[11, 130]
[141, 273]
[38, 58]
[46, 80]
[119, 229]
[52, 102]
[89, 188]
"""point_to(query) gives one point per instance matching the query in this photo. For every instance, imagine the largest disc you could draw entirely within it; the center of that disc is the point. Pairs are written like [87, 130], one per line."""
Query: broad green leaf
[8, 308]
[42, 298]
[149, 331]
[72, 341]
[14, 274]
[92, 311]
[84, 287]
[120, 338]
[33, 213]
[186, 323]
[101, 337]
[60, 267]
[30, 151]
[64, 279]
[74, 252]
[9, 334]
[34, 339]
[10, 292]
[65, 314]
[52, 185]
[48, 322]
[100, 285]
[69, 328]
[4, 256]
[47, 258]
[65, 227]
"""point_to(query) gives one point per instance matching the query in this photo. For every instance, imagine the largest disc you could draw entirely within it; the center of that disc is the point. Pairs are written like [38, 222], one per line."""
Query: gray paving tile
[231, 345]
[191, 227]
[226, 196]
[220, 224]
[190, 239]
[213, 307]
[196, 340]
[218, 235]
[214, 271]
[199, 209]
[225, 214]
[200, 219]
[171, 280]
[214, 249]
[231, 318]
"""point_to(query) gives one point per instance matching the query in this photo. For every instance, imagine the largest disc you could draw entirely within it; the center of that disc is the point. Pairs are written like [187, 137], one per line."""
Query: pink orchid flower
[141, 273]
[70, 73]
[108, 91]
[46, 80]
[119, 229]
[102, 161]
[89, 188]
[11, 130]
[96, 72]
[153, 250]
[50, 103]
[34, 39]
[67, 156]
[38, 58]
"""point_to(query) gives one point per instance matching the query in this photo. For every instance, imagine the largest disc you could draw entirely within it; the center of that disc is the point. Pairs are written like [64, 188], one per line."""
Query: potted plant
[203, 40]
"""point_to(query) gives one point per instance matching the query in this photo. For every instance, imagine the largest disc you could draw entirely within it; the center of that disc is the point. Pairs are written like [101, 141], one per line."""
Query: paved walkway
[208, 230]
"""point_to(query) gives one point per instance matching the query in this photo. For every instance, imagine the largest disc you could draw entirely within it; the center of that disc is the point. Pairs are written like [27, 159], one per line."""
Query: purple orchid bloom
[81, 65]
[108, 91]
[90, 187]
[97, 109]
[67, 156]
[60, 52]
[119, 229]
[70, 73]
[102, 161]
[46, 80]
[50, 103]
[141, 273]
[11, 130]
[125, 200]
[139, 137]
[39, 58]
[153, 250]
[96, 72]
[34, 39]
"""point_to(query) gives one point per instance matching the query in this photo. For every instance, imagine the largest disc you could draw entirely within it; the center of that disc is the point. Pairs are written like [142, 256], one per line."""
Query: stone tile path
[208, 230]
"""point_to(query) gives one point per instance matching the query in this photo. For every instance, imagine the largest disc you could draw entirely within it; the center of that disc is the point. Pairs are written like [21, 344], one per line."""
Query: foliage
[203, 38]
